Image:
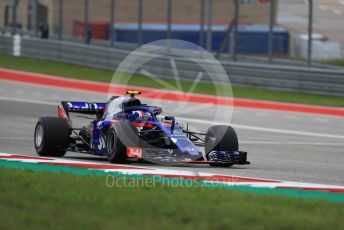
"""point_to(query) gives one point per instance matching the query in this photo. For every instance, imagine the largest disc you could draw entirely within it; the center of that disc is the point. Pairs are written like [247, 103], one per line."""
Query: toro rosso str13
[126, 130]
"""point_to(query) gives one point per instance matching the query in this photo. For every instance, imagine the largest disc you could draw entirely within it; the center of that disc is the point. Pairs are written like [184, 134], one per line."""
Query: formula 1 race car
[125, 130]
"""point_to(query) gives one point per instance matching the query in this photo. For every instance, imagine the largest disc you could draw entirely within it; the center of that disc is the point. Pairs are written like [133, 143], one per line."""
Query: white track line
[338, 12]
[238, 126]
[15, 138]
[290, 117]
[262, 114]
[39, 102]
[322, 7]
[290, 143]
[322, 120]
[264, 129]
[133, 170]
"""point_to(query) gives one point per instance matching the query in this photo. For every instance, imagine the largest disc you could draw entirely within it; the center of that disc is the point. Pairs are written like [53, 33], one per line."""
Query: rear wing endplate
[82, 107]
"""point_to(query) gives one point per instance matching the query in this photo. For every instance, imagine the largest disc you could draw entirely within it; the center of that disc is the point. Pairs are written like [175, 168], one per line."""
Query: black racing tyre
[51, 136]
[120, 136]
[221, 137]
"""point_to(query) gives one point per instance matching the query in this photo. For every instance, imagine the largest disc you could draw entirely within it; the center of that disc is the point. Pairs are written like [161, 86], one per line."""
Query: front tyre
[51, 136]
[221, 138]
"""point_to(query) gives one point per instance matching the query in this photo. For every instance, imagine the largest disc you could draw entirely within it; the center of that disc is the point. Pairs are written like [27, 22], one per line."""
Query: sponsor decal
[134, 152]
[174, 140]
[101, 144]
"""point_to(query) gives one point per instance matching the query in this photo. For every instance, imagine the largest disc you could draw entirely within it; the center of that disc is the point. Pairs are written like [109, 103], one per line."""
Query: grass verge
[336, 62]
[31, 199]
[94, 74]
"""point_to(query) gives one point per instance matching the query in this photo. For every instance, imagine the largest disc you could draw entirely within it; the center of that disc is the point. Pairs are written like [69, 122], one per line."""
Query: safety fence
[281, 77]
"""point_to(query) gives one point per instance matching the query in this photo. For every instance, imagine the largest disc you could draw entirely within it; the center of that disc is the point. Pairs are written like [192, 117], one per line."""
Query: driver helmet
[138, 114]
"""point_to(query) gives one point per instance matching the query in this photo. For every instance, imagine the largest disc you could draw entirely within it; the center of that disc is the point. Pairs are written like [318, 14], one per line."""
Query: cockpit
[131, 108]
[118, 104]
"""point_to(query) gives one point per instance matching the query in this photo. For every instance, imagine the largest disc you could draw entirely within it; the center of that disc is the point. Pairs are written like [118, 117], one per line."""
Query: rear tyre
[51, 136]
[120, 136]
[221, 138]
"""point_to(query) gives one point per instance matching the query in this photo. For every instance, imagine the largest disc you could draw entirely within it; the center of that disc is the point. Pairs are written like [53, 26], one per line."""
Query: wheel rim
[39, 136]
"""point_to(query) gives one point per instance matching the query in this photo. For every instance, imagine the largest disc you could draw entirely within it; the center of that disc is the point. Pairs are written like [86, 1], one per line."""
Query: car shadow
[150, 164]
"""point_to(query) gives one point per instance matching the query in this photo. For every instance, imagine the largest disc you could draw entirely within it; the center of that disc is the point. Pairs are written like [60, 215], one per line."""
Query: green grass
[31, 199]
[93, 74]
[336, 62]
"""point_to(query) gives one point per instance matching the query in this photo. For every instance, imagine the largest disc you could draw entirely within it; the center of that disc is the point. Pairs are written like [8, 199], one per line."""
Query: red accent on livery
[134, 152]
[137, 124]
[61, 113]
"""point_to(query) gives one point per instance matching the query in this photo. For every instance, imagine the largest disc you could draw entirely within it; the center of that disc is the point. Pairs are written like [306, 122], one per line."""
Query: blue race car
[125, 130]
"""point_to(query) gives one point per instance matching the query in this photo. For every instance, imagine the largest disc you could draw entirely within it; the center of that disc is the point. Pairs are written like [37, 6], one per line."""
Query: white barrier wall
[322, 49]
[16, 45]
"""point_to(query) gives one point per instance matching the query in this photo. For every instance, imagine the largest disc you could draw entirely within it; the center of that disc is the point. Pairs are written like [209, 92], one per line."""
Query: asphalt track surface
[281, 145]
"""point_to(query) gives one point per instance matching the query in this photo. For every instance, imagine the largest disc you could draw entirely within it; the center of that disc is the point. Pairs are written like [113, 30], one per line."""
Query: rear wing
[67, 107]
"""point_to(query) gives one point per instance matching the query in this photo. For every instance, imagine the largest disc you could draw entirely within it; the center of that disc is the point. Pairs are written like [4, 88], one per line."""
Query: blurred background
[238, 28]
[285, 45]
